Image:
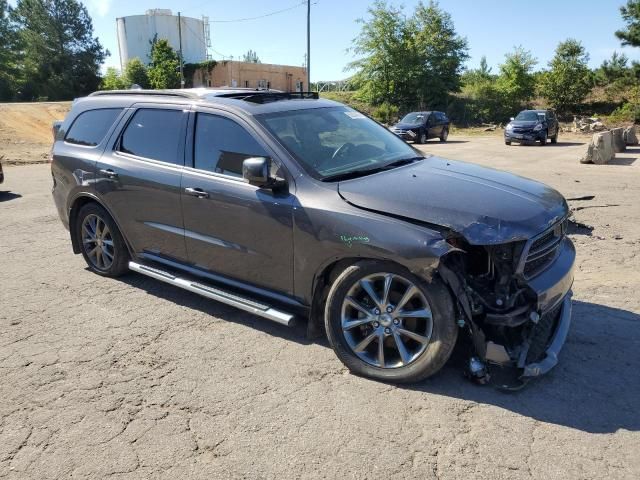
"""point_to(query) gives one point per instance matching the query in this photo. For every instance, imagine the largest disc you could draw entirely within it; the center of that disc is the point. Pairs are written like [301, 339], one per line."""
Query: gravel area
[132, 378]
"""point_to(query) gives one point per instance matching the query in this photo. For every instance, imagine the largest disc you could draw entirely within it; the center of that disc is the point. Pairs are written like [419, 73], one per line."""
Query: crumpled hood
[484, 205]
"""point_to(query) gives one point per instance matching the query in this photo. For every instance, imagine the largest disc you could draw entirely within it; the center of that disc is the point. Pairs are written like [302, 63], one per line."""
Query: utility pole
[180, 45]
[308, 45]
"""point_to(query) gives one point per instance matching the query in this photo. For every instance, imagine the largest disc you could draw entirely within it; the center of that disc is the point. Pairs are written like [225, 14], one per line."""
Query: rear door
[138, 179]
[232, 228]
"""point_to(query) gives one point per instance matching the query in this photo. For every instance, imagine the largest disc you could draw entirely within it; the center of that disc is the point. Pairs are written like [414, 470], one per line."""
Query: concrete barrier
[629, 135]
[617, 140]
[600, 149]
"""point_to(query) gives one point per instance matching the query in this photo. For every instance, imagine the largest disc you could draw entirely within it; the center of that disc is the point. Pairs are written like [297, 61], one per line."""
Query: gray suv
[287, 206]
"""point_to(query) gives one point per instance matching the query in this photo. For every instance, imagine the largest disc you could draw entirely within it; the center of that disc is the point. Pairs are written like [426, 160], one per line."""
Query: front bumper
[558, 339]
[553, 292]
[529, 136]
[540, 343]
[407, 135]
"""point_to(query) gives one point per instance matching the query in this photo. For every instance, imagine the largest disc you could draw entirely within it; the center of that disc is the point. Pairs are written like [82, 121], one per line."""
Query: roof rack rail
[268, 96]
[163, 93]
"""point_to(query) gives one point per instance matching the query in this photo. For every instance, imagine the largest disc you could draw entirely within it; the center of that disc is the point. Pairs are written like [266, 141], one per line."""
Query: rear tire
[413, 347]
[554, 139]
[444, 135]
[101, 242]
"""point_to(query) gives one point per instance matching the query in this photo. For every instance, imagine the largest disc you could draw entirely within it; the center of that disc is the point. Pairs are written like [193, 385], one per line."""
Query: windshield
[414, 117]
[334, 141]
[530, 116]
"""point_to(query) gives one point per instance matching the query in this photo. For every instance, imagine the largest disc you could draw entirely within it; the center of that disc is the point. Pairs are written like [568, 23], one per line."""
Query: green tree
[9, 55]
[385, 66]
[112, 80]
[613, 69]
[440, 55]
[164, 70]
[251, 57]
[568, 80]
[516, 81]
[409, 62]
[135, 73]
[476, 75]
[631, 16]
[62, 58]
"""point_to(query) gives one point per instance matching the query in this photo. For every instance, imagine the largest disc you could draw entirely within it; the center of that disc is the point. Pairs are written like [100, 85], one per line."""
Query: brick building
[228, 73]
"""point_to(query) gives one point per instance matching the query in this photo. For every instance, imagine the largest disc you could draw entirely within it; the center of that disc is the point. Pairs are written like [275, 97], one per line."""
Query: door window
[221, 145]
[154, 134]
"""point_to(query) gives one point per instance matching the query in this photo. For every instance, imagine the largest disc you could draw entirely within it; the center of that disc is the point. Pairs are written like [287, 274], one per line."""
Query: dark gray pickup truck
[286, 205]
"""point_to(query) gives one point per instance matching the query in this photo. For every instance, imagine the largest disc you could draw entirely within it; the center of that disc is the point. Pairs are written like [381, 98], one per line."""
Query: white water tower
[136, 32]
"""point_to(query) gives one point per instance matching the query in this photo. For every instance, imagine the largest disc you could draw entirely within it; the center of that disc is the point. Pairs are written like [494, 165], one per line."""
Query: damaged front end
[514, 301]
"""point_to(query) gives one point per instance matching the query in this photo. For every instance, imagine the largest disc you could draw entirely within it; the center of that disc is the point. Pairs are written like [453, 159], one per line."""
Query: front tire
[101, 242]
[543, 139]
[422, 138]
[385, 323]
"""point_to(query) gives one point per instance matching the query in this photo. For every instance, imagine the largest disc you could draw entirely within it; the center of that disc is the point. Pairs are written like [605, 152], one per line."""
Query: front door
[432, 126]
[233, 228]
[138, 179]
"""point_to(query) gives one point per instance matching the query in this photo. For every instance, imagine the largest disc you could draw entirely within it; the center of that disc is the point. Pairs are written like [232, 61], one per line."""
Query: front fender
[323, 236]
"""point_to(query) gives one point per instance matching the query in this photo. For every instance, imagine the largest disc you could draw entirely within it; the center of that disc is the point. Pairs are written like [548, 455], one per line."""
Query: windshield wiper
[370, 171]
[402, 161]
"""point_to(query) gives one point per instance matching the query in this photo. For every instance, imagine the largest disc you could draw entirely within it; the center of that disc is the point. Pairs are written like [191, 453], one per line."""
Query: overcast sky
[492, 27]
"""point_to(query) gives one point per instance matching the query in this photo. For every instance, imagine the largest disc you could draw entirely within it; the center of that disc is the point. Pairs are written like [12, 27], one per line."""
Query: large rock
[600, 149]
[618, 140]
[629, 135]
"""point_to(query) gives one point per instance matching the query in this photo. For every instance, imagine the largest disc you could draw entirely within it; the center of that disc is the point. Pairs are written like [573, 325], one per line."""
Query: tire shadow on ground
[594, 388]
[7, 196]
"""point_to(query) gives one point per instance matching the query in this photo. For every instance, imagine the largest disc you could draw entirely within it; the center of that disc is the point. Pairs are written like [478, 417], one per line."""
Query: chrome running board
[213, 293]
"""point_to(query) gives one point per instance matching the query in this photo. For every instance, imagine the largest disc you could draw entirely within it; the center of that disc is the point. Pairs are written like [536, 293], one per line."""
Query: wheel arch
[325, 277]
[74, 208]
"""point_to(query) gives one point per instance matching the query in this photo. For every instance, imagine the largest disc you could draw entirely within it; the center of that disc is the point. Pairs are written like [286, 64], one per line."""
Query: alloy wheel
[386, 320]
[97, 242]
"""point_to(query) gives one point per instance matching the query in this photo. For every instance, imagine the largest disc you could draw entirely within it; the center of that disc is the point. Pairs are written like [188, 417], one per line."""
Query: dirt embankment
[25, 130]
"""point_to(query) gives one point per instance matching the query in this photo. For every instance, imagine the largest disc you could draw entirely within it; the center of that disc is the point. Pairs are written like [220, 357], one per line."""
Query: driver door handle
[196, 192]
[107, 172]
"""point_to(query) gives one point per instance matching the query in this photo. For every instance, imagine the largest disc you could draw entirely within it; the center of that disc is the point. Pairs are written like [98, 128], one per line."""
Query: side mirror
[256, 171]
[55, 128]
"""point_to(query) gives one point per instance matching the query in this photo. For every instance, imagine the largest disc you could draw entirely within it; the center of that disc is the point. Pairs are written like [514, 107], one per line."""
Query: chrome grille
[543, 249]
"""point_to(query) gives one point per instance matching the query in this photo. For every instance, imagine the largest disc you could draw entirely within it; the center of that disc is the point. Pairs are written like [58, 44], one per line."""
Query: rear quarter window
[90, 127]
